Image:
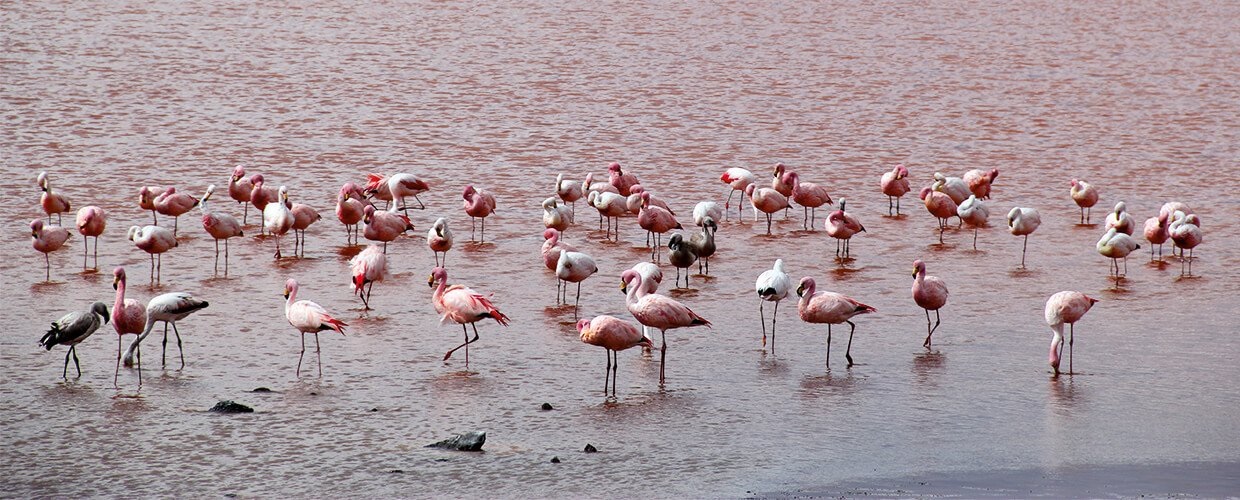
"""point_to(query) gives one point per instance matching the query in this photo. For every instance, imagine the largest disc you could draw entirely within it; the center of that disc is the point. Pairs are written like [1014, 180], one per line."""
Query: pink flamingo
[52, 202]
[384, 226]
[552, 247]
[623, 182]
[895, 185]
[1065, 307]
[153, 240]
[220, 226]
[1115, 245]
[809, 195]
[168, 308]
[1170, 208]
[569, 192]
[1023, 221]
[128, 317]
[1185, 232]
[397, 187]
[930, 293]
[610, 205]
[439, 240]
[841, 225]
[146, 200]
[610, 333]
[657, 311]
[940, 205]
[589, 186]
[303, 217]
[773, 285]
[767, 200]
[174, 204]
[278, 219]
[1085, 195]
[574, 267]
[462, 305]
[634, 201]
[308, 317]
[830, 308]
[1157, 233]
[47, 240]
[979, 181]
[478, 205]
[778, 184]
[954, 187]
[655, 221]
[239, 189]
[91, 222]
[737, 179]
[652, 276]
[973, 212]
[350, 210]
[261, 196]
[1121, 220]
[367, 267]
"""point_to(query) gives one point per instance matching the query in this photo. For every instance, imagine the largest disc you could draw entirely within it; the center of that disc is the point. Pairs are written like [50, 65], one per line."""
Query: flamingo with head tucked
[278, 219]
[303, 216]
[128, 317]
[657, 311]
[767, 200]
[47, 239]
[384, 225]
[350, 210]
[367, 267]
[91, 222]
[930, 293]
[462, 305]
[614, 335]
[153, 240]
[656, 221]
[830, 308]
[1065, 307]
[439, 240]
[895, 185]
[1157, 232]
[569, 192]
[842, 226]
[240, 189]
[52, 202]
[1023, 221]
[574, 267]
[1085, 195]
[1121, 220]
[146, 200]
[308, 317]
[773, 285]
[954, 187]
[220, 226]
[260, 196]
[1185, 232]
[1116, 245]
[979, 181]
[975, 213]
[941, 206]
[479, 204]
[737, 179]
[610, 205]
[174, 204]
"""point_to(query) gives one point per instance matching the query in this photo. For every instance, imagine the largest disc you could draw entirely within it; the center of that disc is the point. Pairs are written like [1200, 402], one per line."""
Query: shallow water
[107, 97]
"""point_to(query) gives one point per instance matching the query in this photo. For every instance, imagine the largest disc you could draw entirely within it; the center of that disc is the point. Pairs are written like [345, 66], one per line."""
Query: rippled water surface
[1139, 99]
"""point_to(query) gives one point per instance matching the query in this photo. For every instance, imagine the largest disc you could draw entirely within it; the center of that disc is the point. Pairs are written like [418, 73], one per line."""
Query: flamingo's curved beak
[624, 287]
[114, 282]
[914, 272]
[431, 281]
[801, 291]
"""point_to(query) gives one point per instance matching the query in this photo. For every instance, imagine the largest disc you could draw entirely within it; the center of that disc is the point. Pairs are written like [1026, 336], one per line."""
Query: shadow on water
[839, 382]
[928, 366]
[1065, 393]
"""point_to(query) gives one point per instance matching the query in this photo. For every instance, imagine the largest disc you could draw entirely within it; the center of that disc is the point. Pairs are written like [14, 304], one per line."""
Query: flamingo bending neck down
[1065, 307]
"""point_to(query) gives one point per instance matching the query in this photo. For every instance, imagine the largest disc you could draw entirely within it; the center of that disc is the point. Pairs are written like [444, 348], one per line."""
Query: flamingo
[303, 217]
[656, 221]
[91, 221]
[146, 200]
[737, 179]
[589, 186]
[278, 219]
[706, 209]
[128, 317]
[703, 244]
[384, 226]
[895, 185]
[1023, 221]
[634, 201]
[555, 216]
[168, 308]
[610, 205]
[767, 200]
[930, 293]
[552, 247]
[656, 311]
[681, 256]
[1186, 234]
[1085, 195]
[308, 317]
[941, 206]
[220, 226]
[622, 181]
[954, 187]
[1121, 220]
[367, 267]
[1065, 307]
[478, 205]
[569, 192]
[614, 335]
[979, 181]
[809, 195]
[462, 305]
[439, 240]
[174, 204]
[261, 196]
[47, 240]
[350, 209]
[973, 212]
[71, 329]
[1116, 245]
[830, 308]
[240, 189]
[652, 276]
[52, 202]
[153, 240]
[1170, 208]
[1157, 233]
[841, 225]
[574, 267]
[773, 285]
[779, 182]
[397, 186]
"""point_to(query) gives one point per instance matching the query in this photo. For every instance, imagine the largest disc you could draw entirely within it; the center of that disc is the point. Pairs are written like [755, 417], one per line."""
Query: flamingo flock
[966, 198]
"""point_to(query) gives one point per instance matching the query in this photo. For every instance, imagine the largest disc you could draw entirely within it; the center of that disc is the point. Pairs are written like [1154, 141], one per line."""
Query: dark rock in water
[262, 389]
[372, 410]
[547, 407]
[229, 406]
[469, 441]
[555, 460]
[396, 471]
[590, 448]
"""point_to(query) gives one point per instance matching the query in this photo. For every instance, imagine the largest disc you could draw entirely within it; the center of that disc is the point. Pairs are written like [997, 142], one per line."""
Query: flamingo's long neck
[117, 309]
[635, 289]
[437, 297]
[292, 297]
[1056, 341]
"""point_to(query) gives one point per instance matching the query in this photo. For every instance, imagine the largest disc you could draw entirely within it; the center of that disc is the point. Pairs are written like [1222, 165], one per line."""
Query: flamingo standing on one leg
[1121, 220]
[610, 205]
[830, 308]
[308, 317]
[303, 217]
[941, 206]
[1116, 245]
[894, 184]
[350, 210]
[1157, 232]
[240, 189]
[91, 222]
[478, 205]
[174, 204]
[574, 267]
[260, 196]
[153, 240]
[841, 225]
[462, 305]
[614, 335]
[220, 226]
[979, 181]
[773, 285]
[367, 267]
[1023, 221]
[1065, 307]
[569, 192]
[71, 329]
[1085, 195]
[809, 195]
[47, 239]
[703, 244]
[657, 311]
[128, 317]
[767, 200]
[384, 225]
[168, 308]
[930, 293]
[278, 219]
[737, 179]
[975, 213]
[1186, 234]
[52, 202]
[656, 221]
[439, 240]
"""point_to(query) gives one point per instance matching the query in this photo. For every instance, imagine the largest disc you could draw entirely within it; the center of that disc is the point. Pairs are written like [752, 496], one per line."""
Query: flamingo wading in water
[128, 317]
[52, 202]
[1116, 245]
[1085, 195]
[168, 308]
[1023, 222]
[1065, 307]
[368, 266]
[47, 239]
[278, 219]
[894, 184]
[153, 240]
[220, 226]
[174, 204]
[975, 213]
[737, 179]
[240, 189]
[71, 329]
[841, 225]
[574, 267]
[930, 293]
[91, 222]
[480, 204]
[308, 317]
[461, 305]
[773, 285]
[614, 335]
[656, 311]
[830, 308]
